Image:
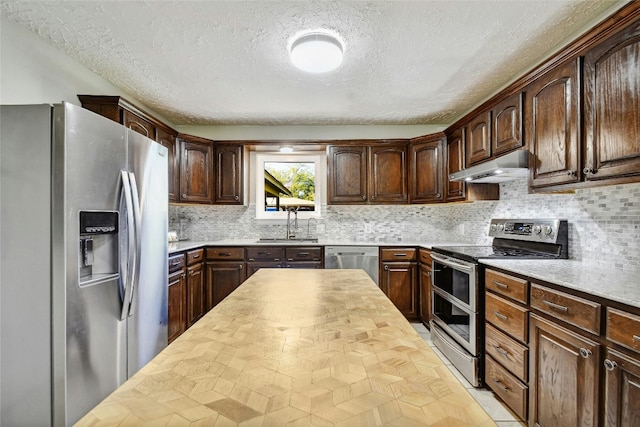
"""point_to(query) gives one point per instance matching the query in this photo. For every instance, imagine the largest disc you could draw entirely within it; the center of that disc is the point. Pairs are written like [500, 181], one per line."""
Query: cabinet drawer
[571, 309]
[176, 262]
[398, 254]
[269, 253]
[225, 253]
[194, 256]
[509, 286]
[507, 317]
[303, 254]
[507, 387]
[508, 352]
[623, 328]
[424, 256]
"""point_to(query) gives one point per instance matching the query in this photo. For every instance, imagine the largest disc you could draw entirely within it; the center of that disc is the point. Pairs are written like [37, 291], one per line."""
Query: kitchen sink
[282, 240]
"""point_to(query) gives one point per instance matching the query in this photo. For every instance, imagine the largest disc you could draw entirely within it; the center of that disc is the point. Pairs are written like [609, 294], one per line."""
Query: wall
[604, 222]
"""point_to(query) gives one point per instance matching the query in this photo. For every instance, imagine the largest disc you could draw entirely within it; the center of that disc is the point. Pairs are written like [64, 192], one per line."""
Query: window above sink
[289, 181]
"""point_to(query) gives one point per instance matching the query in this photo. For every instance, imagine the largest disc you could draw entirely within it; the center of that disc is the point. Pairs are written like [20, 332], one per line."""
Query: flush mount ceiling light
[286, 149]
[316, 52]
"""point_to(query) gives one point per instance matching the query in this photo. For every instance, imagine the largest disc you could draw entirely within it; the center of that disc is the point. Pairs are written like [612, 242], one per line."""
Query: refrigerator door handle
[137, 219]
[128, 278]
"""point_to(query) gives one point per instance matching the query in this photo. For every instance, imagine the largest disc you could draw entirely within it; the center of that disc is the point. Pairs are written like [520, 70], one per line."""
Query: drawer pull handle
[499, 384]
[276, 259]
[224, 254]
[556, 306]
[500, 315]
[399, 254]
[636, 338]
[501, 285]
[585, 353]
[502, 351]
[264, 253]
[196, 256]
[610, 365]
[303, 254]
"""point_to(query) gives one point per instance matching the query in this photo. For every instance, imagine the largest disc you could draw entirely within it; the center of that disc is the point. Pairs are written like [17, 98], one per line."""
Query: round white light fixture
[286, 149]
[316, 52]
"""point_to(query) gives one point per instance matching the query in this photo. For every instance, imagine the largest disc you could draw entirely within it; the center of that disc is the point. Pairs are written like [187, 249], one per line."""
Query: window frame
[320, 165]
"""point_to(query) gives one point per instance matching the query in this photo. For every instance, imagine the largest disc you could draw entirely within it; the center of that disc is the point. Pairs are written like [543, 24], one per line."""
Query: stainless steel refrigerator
[83, 238]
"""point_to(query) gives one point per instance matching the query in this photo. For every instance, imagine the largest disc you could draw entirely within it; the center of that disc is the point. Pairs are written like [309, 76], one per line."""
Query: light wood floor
[296, 348]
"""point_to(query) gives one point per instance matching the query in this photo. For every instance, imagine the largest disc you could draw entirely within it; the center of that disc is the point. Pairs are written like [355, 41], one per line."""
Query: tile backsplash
[604, 222]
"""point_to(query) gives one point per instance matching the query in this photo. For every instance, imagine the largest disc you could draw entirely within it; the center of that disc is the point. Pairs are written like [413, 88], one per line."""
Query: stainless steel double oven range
[457, 291]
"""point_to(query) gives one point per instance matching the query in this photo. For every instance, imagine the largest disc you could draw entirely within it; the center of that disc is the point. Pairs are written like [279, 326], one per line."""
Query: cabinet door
[254, 266]
[622, 390]
[424, 281]
[228, 174]
[177, 315]
[564, 380]
[426, 170]
[506, 134]
[222, 279]
[552, 126]
[455, 163]
[479, 139]
[347, 174]
[398, 282]
[612, 107]
[195, 294]
[388, 174]
[196, 175]
[138, 124]
[168, 139]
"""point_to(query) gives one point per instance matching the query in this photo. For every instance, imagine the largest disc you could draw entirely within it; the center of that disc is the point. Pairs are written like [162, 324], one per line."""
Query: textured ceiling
[226, 62]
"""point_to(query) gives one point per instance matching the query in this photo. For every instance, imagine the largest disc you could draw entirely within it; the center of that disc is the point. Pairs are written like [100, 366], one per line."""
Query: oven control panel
[537, 230]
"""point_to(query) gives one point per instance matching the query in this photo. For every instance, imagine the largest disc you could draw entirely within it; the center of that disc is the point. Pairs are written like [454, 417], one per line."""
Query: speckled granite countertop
[193, 244]
[612, 284]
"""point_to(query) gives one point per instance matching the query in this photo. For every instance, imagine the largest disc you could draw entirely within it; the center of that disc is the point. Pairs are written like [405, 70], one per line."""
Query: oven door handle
[460, 265]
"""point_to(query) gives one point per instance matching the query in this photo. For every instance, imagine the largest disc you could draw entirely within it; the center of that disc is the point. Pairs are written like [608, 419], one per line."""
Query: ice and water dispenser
[98, 256]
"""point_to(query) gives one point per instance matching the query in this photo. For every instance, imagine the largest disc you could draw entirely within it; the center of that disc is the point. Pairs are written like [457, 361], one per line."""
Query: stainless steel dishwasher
[353, 257]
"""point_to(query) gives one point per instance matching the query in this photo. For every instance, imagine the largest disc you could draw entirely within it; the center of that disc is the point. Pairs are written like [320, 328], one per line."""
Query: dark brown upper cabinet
[478, 139]
[552, 126]
[347, 174]
[167, 138]
[138, 124]
[228, 170]
[196, 170]
[506, 133]
[455, 191]
[358, 174]
[612, 107]
[426, 169]
[388, 174]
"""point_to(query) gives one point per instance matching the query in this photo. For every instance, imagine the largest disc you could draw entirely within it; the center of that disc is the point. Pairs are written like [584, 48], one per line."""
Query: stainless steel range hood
[505, 168]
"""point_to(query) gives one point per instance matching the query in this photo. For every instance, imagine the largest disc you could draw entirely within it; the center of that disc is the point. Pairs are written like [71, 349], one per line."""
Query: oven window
[453, 282]
[457, 320]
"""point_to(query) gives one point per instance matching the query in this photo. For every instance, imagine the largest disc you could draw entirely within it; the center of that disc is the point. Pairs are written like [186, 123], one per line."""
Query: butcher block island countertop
[300, 348]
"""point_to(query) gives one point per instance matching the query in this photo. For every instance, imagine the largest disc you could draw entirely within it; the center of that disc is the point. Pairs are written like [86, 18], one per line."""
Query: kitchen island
[295, 347]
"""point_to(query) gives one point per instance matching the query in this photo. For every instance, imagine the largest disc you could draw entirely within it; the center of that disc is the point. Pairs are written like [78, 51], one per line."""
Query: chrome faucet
[291, 235]
[315, 221]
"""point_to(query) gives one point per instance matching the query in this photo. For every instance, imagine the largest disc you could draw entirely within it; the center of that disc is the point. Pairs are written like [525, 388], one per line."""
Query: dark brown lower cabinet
[398, 280]
[622, 390]
[177, 315]
[564, 377]
[223, 277]
[424, 281]
[195, 293]
[253, 266]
